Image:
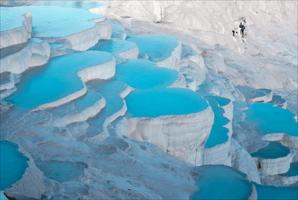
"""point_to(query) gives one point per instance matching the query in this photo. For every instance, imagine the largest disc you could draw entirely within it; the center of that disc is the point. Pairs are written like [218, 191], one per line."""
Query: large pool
[272, 119]
[216, 182]
[266, 192]
[61, 170]
[55, 80]
[12, 164]
[72, 4]
[49, 21]
[219, 133]
[271, 151]
[164, 101]
[155, 47]
[143, 74]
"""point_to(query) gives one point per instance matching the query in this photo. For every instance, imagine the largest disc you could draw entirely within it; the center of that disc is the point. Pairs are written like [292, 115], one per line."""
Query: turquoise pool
[272, 119]
[219, 133]
[293, 171]
[114, 46]
[271, 151]
[12, 164]
[164, 101]
[64, 22]
[143, 74]
[156, 47]
[276, 193]
[56, 80]
[216, 182]
[110, 91]
[61, 171]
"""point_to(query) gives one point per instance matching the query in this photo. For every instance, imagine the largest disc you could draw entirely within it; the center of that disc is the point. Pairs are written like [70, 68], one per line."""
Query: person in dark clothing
[242, 28]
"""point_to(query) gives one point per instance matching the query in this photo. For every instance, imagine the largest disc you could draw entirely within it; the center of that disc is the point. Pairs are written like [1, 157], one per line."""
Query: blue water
[156, 47]
[219, 182]
[219, 133]
[293, 171]
[114, 46]
[110, 91]
[271, 151]
[272, 119]
[61, 171]
[10, 20]
[56, 80]
[49, 21]
[12, 164]
[276, 193]
[143, 74]
[167, 101]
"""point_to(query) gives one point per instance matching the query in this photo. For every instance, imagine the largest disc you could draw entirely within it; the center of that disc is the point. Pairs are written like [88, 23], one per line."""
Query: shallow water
[114, 46]
[164, 101]
[272, 119]
[64, 22]
[293, 171]
[276, 193]
[12, 164]
[55, 80]
[110, 91]
[216, 182]
[61, 170]
[143, 74]
[271, 151]
[156, 47]
[219, 133]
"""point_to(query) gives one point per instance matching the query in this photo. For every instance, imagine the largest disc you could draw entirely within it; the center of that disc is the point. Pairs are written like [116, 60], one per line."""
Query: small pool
[110, 91]
[164, 101]
[118, 30]
[266, 192]
[216, 182]
[271, 151]
[61, 171]
[12, 164]
[143, 74]
[64, 22]
[55, 80]
[293, 171]
[156, 47]
[219, 133]
[114, 46]
[272, 119]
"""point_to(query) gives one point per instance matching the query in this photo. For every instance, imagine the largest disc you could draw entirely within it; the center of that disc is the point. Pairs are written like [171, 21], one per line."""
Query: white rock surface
[274, 166]
[182, 136]
[36, 53]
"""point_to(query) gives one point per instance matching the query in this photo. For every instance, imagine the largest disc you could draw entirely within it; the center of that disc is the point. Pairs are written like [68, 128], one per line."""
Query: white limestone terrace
[78, 28]
[72, 71]
[273, 159]
[79, 110]
[176, 120]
